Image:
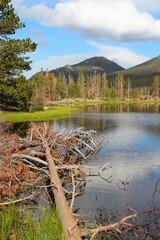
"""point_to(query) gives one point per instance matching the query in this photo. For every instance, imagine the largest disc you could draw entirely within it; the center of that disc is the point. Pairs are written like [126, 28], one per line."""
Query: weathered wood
[38, 160]
[71, 231]
[55, 154]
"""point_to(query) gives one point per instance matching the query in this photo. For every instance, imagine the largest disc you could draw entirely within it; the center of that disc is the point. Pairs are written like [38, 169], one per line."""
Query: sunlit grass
[49, 114]
[64, 108]
[18, 225]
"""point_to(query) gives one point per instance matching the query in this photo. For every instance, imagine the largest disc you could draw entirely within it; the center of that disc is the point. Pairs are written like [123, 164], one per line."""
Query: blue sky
[70, 31]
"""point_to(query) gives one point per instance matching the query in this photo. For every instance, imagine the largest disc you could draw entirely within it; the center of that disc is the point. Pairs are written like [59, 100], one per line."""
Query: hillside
[98, 64]
[142, 74]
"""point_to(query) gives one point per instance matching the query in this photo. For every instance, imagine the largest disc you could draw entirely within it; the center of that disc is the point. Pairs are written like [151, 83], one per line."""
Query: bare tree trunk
[71, 231]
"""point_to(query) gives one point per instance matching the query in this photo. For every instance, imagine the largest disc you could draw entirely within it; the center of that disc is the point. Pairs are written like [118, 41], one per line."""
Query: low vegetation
[49, 114]
[19, 224]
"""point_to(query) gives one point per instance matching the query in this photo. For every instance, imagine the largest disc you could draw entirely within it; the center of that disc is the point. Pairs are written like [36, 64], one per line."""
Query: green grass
[18, 225]
[59, 111]
[49, 114]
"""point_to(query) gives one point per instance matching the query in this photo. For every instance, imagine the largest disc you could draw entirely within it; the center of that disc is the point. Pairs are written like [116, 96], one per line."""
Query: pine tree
[128, 87]
[156, 87]
[119, 85]
[88, 87]
[104, 87]
[13, 60]
[37, 101]
[98, 85]
[60, 88]
[81, 83]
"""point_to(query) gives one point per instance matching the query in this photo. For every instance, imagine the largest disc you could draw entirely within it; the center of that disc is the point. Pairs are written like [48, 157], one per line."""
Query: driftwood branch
[24, 156]
[54, 155]
[64, 211]
[71, 231]
[16, 201]
[122, 222]
[73, 191]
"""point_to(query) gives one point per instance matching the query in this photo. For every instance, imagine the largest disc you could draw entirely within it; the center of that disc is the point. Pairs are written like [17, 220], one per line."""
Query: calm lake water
[130, 146]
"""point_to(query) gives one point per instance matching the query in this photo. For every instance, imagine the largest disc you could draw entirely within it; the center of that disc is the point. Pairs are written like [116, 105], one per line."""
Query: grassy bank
[16, 224]
[46, 115]
[65, 108]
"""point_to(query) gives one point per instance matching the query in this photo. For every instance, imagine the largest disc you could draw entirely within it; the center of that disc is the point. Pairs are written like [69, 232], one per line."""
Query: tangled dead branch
[123, 226]
[56, 155]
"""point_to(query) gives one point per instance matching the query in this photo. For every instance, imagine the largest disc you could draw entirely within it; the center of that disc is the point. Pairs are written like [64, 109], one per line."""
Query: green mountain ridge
[150, 66]
[142, 74]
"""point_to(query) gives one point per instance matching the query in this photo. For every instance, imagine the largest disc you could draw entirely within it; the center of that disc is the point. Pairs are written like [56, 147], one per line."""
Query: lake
[130, 136]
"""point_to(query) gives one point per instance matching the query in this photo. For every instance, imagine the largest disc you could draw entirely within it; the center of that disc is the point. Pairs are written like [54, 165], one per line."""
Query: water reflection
[131, 146]
[130, 107]
[20, 128]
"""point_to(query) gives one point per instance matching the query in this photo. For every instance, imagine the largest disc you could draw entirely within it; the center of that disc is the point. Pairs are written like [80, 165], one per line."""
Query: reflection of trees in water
[88, 122]
[20, 128]
[117, 108]
[99, 120]
[134, 225]
[150, 108]
[154, 130]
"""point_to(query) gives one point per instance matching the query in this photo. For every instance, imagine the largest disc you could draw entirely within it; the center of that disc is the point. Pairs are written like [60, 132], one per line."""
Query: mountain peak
[100, 64]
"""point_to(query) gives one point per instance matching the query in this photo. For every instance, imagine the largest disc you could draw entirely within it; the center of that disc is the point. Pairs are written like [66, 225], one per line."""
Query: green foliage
[141, 75]
[81, 83]
[60, 90]
[9, 21]
[16, 224]
[11, 59]
[96, 86]
[37, 102]
[16, 93]
[156, 87]
[15, 90]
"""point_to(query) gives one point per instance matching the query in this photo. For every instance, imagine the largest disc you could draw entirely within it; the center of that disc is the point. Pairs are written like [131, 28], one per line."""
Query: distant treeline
[48, 87]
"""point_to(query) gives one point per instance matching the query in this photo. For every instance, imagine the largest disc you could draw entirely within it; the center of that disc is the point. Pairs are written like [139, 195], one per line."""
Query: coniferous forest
[17, 93]
[15, 90]
[93, 86]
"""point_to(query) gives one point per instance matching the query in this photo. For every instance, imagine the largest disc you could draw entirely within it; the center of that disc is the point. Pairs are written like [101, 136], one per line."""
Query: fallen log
[73, 143]
[38, 160]
[71, 231]
[55, 155]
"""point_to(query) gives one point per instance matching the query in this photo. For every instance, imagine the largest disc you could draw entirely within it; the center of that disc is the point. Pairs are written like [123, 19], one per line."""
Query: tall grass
[49, 114]
[17, 225]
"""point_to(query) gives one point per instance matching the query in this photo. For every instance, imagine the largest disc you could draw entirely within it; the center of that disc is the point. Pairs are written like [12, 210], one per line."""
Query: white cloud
[17, 3]
[123, 56]
[116, 19]
[40, 36]
[149, 6]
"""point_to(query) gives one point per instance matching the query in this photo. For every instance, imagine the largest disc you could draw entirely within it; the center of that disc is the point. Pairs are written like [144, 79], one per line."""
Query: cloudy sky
[70, 31]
